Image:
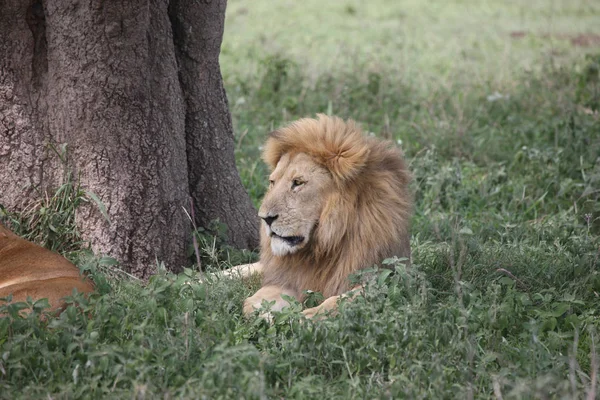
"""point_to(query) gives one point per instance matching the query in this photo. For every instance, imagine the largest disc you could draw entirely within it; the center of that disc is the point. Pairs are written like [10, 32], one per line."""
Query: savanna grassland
[496, 105]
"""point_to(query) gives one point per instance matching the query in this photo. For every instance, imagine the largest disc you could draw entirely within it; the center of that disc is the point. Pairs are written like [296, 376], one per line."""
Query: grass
[496, 106]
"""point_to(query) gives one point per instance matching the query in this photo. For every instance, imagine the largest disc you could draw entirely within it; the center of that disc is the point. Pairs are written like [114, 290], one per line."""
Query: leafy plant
[588, 88]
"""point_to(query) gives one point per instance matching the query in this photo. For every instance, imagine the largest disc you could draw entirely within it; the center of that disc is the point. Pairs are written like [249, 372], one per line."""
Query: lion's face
[292, 207]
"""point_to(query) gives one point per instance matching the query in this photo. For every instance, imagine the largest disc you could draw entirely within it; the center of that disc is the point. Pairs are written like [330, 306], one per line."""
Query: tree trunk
[144, 116]
[198, 32]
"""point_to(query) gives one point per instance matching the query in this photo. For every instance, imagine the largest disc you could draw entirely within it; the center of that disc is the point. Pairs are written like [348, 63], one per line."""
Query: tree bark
[142, 109]
[198, 32]
[24, 161]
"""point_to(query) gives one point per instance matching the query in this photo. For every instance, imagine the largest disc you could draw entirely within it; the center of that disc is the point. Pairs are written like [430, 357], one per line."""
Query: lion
[27, 269]
[338, 202]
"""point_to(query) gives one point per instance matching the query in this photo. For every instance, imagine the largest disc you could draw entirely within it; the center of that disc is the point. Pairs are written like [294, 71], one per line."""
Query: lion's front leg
[268, 293]
[330, 303]
[244, 271]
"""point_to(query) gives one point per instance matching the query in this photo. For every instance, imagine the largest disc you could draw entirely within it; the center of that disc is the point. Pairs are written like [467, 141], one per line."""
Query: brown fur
[364, 217]
[27, 269]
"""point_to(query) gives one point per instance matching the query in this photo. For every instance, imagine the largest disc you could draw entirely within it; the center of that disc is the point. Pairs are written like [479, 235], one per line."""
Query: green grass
[502, 134]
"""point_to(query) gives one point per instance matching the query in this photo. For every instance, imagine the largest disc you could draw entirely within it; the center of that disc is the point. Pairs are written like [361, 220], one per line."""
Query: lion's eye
[271, 182]
[296, 183]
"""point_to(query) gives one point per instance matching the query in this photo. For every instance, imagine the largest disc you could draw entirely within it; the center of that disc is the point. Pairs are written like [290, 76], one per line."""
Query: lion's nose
[270, 218]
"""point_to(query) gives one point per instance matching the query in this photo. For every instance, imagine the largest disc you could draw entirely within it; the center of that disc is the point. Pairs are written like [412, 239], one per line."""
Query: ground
[496, 106]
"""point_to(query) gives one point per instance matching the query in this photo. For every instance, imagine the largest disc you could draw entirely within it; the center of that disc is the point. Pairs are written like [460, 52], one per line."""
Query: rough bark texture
[24, 140]
[198, 32]
[144, 116]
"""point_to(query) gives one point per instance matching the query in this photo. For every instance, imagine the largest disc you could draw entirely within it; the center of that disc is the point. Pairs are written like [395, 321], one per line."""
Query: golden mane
[365, 220]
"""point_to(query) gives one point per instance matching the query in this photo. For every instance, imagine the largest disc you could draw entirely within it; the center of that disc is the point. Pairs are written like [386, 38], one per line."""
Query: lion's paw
[313, 312]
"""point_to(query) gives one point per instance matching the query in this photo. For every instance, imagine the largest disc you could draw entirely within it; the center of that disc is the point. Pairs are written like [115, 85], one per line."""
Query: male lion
[27, 269]
[338, 202]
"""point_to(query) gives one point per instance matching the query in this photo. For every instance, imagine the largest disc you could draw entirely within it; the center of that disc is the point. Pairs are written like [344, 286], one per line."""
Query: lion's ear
[347, 163]
[341, 146]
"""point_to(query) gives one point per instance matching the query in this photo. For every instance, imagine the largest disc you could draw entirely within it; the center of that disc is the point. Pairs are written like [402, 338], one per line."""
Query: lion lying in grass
[27, 269]
[338, 202]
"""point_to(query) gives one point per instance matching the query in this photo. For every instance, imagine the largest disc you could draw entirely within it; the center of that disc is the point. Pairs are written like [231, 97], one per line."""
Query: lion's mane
[365, 220]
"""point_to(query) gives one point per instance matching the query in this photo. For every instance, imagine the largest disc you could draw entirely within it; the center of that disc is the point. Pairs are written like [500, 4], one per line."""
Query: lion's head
[338, 202]
[292, 207]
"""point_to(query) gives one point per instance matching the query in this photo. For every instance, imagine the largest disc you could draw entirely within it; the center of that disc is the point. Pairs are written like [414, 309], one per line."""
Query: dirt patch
[586, 40]
[581, 40]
